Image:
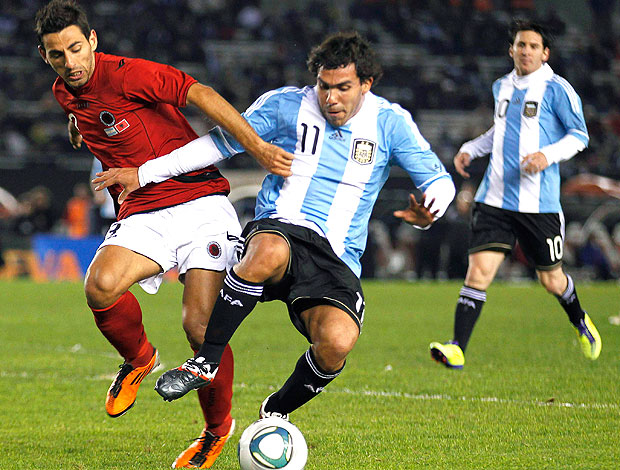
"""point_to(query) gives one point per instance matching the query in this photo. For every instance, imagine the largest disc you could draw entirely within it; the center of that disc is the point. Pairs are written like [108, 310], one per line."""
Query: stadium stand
[436, 65]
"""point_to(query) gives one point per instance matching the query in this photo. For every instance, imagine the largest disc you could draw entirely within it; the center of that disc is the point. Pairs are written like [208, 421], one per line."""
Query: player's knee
[332, 350]
[194, 331]
[479, 277]
[101, 289]
[553, 282]
[266, 259]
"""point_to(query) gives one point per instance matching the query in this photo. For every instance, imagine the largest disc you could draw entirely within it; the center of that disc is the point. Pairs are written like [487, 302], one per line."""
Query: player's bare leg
[119, 318]
[482, 269]
[265, 261]
[201, 290]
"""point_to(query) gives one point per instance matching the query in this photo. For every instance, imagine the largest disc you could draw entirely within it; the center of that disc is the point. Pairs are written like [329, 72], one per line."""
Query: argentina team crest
[363, 151]
[530, 109]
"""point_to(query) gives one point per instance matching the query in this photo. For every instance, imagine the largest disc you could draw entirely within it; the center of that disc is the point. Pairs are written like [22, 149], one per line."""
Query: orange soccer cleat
[205, 449]
[122, 393]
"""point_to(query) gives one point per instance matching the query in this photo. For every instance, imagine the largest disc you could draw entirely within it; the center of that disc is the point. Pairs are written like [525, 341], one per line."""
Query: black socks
[305, 383]
[235, 302]
[468, 309]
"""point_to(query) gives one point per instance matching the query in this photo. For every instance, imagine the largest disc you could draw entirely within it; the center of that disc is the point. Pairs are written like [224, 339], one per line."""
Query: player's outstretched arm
[271, 157]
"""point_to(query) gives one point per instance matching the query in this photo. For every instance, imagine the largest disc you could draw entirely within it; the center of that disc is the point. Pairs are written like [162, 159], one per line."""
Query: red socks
[121, 324]
[216, 398]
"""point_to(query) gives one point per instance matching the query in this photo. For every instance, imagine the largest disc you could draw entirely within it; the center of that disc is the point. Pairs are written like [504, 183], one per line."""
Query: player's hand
[534, 163]
[421, 214]
[75, 138]
[274, 159]
[462, 161]
[126, 177]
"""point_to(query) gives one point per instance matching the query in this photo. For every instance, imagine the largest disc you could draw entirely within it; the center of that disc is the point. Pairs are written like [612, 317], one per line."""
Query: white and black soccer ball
[272, 443]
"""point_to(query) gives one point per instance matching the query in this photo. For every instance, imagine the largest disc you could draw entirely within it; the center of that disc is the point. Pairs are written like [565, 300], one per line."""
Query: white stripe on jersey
[529, 142]
[496, 164]
[354, 179]
[293, 192]
[261, 100]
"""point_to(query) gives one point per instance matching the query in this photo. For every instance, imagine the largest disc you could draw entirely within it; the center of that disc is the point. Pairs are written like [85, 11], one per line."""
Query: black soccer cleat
[193, 374]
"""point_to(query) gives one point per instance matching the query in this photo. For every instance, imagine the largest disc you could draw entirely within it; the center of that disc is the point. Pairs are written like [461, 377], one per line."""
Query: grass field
[527, 398]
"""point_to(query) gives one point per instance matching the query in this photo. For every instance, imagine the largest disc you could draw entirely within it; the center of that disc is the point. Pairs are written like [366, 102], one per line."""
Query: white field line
[361, 393]
[444, 397]
[426, 397]
[340, 391]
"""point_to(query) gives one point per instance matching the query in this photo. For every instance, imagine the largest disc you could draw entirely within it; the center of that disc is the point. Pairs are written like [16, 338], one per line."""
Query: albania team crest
[214, 249]
[363, 151]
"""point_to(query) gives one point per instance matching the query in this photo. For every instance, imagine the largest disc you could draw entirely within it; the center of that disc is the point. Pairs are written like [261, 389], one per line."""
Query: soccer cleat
[122, 393]
[262, 413]
[205, 449]
[449, 354]
[191, 375]
[589, 338]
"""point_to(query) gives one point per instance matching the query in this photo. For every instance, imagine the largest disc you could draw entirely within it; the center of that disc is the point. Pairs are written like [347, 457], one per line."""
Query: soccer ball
[272, 443]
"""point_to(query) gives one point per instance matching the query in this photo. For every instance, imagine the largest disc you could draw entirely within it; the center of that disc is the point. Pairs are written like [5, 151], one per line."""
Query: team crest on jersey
[112, 127]
[214, 249]
[363, 151]
[530, 109]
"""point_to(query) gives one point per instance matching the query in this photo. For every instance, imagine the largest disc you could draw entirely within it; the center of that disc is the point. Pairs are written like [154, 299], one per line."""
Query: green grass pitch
[527, 398]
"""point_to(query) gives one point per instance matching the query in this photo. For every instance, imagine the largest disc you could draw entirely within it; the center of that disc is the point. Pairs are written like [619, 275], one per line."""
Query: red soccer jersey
[127, 114]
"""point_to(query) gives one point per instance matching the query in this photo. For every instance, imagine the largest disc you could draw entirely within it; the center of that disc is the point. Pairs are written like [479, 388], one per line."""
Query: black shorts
[315, 275]
[541, 236]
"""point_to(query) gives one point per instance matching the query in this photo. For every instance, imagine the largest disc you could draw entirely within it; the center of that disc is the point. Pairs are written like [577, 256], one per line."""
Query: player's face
[341, 93]
[70, 54]
[528, 52]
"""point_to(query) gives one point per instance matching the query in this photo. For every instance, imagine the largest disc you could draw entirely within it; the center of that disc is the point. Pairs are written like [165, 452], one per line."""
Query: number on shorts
[556, 247]
[112, 231]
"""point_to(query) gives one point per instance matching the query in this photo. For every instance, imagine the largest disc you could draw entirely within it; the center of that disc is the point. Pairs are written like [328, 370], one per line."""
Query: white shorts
[202, 233]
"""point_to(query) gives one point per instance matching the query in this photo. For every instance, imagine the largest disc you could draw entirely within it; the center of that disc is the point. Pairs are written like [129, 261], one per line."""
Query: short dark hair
[342, 49]
[527, 25]
[58, 15]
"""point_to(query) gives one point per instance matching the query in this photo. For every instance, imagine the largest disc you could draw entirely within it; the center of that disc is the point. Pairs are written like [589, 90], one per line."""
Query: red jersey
[127, 114]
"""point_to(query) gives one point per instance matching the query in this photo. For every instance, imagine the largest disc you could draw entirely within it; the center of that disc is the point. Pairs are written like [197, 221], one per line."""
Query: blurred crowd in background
[440, 58]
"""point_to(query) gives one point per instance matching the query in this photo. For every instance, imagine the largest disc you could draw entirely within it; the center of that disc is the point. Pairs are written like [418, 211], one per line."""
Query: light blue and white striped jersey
[337, 172]
[532, 113]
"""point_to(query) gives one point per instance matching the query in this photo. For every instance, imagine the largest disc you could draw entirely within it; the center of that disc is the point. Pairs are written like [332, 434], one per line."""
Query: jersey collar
[542, 74]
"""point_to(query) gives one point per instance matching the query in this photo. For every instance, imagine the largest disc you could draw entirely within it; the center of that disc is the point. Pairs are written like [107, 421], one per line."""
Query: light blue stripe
[549, 199]
[512, 173]
[550, 131]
